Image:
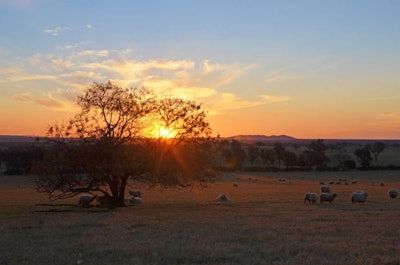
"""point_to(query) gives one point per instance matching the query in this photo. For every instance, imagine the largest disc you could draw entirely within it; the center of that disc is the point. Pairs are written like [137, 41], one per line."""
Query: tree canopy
[121, 135]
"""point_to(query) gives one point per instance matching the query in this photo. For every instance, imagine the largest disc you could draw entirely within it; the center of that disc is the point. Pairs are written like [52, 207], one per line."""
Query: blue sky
[310, 69]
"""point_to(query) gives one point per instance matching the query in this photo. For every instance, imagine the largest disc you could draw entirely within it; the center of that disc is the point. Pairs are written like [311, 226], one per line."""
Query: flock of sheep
[359, 196]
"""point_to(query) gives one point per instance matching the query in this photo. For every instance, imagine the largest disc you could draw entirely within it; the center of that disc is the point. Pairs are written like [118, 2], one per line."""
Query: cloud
[97, 53]
[303, 69]
[19, 75]
[390, 120]
[48, 101]
[229, 101]
[73, 70]
[272, 99]
[89, 26]
[56, 31]
[72, 46]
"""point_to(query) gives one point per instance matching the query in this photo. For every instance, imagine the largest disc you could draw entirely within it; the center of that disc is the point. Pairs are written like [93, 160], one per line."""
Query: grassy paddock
[267, 223]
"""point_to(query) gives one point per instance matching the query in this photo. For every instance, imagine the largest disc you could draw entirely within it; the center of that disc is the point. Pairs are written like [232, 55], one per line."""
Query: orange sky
[262, 67]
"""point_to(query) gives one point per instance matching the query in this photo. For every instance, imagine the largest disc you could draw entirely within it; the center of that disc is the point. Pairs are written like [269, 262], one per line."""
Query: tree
[253, 152]
[364, 156]
[238, 154]
[309, 159]
[107, 143]
[376, 149]
[317, 146]
[289, 158]
[315, 155]
[279, 149]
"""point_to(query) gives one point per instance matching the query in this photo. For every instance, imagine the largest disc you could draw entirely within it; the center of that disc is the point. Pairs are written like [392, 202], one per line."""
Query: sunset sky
[308, 69]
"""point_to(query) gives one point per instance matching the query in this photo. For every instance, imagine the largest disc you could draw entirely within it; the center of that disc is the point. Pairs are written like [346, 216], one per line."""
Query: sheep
[235, 184]
[325, 188]
[327, 197]
[222, 198]
[85, 200]
[393, 193]
[135, 193]
[310, 197]
[359, 196]
[133, 201]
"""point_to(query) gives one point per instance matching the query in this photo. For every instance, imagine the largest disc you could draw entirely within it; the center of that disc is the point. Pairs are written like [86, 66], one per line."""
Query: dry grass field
[266, 223]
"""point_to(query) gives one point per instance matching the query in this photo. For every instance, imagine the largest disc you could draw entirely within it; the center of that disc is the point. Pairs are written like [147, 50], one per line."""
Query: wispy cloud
[272, 99]
[73, 70]
[72, 46]
[301, 70]
[19, 75]
[89, 26]
[56, 31]
[48, 100]
[389, 120]
[228, 101]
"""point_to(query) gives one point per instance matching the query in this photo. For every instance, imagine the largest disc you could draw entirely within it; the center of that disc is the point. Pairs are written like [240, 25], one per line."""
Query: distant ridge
[263, 138]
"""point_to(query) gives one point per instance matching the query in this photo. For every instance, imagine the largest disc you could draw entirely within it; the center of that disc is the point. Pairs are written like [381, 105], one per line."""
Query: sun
[163, 132]
[166, 133]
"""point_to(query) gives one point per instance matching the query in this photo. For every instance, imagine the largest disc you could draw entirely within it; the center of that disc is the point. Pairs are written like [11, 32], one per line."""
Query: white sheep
[135, 193]
[327, 197]
[359, 196]
[325, 188]
[393, 193]
[133, 201]
[310, 197]
[85, 200]
[222, 198]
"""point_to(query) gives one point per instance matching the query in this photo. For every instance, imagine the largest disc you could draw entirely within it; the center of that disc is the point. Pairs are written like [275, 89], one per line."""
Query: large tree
[113, 140]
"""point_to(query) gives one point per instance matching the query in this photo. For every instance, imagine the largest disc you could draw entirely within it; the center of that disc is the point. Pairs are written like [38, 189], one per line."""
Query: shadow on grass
[67, 207]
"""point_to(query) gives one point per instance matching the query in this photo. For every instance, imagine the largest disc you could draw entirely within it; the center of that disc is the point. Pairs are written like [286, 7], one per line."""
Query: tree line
[234, 155]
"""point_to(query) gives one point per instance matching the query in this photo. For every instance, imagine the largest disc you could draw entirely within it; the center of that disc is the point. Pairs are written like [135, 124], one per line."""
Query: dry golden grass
[267, 223]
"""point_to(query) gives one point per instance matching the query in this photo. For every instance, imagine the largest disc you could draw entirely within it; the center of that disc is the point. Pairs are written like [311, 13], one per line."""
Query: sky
[308, 69]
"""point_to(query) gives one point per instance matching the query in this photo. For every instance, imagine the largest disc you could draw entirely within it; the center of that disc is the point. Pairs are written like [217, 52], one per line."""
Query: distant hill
[263, 138]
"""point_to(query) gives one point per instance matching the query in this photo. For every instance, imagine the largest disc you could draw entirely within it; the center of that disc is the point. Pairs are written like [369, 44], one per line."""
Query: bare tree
[106, 144]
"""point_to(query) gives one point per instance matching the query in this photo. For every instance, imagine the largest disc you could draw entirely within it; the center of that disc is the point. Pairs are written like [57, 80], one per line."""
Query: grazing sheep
[85, 200]
[133, 201]
[325, 188]
[393, 193]
[310, 197]
[359, 196]
[222, 198]
[327, 197]
[135, 193]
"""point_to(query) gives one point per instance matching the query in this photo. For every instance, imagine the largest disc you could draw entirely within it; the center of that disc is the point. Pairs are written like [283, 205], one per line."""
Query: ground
[266, 223]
